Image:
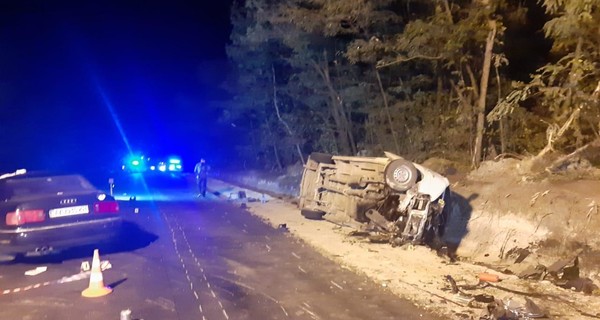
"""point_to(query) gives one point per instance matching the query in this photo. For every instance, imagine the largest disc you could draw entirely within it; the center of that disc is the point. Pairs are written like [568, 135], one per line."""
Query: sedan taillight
[21, 217]
[106, 207]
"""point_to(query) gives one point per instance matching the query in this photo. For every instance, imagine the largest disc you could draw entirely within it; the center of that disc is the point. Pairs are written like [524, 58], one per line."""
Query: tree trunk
[275, 150]
[560, 162]
[485, 75]
[502, 121]
[285, 125]
[343, 126]
[389, 116]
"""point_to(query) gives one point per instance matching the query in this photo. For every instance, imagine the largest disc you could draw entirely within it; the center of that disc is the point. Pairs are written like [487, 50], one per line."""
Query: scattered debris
[488, 277]
[513, 309]
[466, 298]
[125, 315]
[565, 268]
[534, 199]
[36, 271]
[518, 254]
[357, 233]
[563, 273]
[104, 265]
[534, 272]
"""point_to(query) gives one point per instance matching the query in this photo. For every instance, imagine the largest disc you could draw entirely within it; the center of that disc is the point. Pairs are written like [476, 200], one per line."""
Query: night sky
[80, 81]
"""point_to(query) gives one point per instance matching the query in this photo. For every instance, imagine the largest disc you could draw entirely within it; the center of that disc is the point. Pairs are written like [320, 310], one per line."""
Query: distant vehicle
[41, 213]
[144, 164]
[135, 163]
[401, 199]
[168, 165]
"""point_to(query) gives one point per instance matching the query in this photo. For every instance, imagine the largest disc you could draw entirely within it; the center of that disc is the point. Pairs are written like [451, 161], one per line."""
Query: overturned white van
[394, 196]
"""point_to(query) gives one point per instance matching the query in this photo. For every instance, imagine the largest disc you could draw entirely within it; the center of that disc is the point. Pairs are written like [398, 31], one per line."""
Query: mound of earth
[550, 216]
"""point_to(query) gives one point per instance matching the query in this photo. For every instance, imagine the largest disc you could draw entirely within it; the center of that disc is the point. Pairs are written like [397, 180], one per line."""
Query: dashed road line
[337, 285]
[185, 268]
[284, 311]
[312, 314]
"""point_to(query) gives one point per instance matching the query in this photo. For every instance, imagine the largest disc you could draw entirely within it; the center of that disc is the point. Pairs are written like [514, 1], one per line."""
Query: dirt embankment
[551, 216]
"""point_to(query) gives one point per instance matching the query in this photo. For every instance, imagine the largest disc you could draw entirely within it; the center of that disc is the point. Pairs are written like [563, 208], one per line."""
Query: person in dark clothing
[201, 171]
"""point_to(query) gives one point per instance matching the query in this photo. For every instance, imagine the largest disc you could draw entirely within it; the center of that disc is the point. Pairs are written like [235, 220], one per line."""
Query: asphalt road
[182, 257]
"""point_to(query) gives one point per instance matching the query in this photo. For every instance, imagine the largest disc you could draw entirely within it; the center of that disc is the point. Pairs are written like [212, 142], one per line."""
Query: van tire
[401, 175]
[312, 214]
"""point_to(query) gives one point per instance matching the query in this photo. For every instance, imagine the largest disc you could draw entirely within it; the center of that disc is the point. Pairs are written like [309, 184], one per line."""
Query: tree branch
[401, 60]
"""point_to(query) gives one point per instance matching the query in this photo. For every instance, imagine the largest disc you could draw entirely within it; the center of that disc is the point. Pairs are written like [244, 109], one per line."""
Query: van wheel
[401, 175]
[312, 214]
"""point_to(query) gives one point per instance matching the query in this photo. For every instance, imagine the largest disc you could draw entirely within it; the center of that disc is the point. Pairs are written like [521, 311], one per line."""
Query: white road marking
[191, 253]
[312, 314]
[337, 285]
[295, 255]
[284, 311]
[299, 267]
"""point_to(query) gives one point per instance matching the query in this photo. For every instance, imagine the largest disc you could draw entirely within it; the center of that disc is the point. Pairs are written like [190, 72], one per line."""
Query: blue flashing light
[135, 162]
[174, 161]
[162, 167]
[171, 167]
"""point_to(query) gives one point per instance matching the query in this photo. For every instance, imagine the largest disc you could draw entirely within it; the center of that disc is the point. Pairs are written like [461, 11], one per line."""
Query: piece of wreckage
[388, 199]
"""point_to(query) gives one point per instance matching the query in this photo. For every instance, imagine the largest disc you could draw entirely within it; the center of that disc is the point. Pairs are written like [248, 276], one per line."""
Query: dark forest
[462, 80]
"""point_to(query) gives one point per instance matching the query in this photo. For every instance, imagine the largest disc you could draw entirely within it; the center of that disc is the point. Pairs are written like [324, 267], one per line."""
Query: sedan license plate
[68, 211]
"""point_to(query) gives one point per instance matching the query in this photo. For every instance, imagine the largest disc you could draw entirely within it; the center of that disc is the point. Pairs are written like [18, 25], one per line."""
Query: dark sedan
[40, 213]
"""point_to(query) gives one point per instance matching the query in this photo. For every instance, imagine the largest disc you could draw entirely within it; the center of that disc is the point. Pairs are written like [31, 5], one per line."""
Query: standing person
[201, 171]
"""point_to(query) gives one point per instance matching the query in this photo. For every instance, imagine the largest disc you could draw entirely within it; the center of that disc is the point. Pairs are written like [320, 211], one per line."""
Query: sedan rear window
[11, 189]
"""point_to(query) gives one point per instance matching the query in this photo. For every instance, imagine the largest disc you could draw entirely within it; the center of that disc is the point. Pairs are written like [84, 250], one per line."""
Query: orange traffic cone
[96, 287]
